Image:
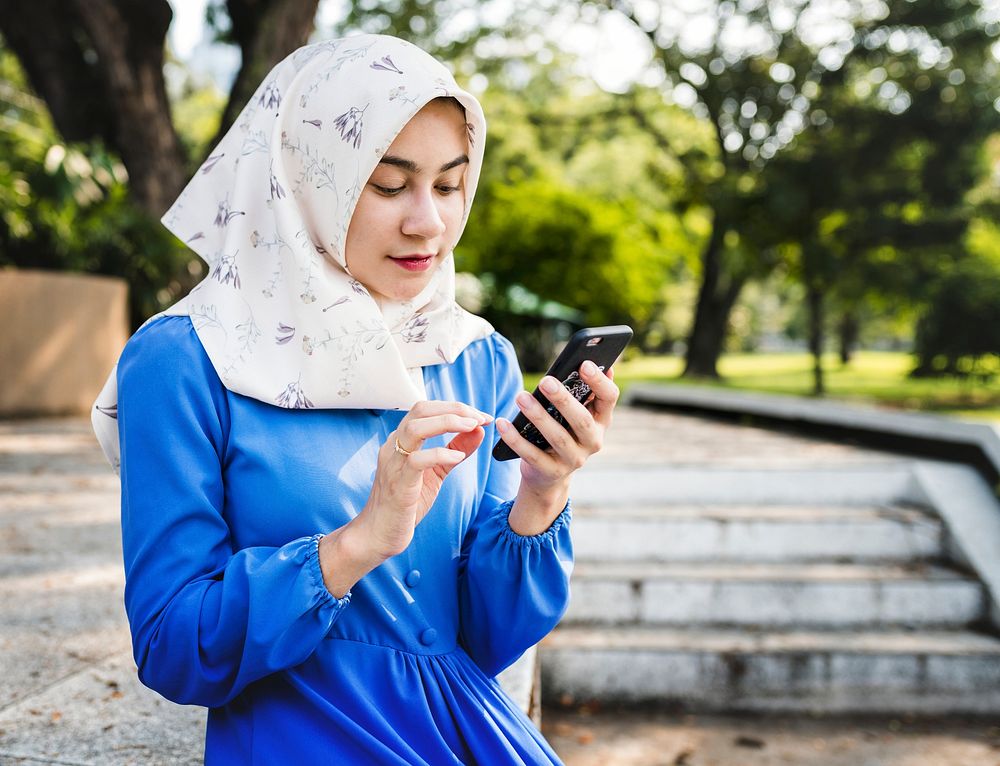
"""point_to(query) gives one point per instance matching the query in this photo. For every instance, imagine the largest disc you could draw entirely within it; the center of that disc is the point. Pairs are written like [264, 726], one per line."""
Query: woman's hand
[403, 491]
[406, 486]
[545, 474]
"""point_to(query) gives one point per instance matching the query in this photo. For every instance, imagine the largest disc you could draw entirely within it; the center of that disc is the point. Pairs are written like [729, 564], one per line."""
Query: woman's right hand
[403, 491]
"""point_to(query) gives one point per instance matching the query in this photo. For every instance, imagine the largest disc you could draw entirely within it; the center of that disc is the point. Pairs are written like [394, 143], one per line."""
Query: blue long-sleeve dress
[224, 499]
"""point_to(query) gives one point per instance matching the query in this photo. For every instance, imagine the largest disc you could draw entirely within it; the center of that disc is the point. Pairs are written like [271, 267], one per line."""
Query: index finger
[433, 407]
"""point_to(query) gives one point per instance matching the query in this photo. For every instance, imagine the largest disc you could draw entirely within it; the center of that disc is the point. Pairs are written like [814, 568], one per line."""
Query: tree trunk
[266, 31]
[128, 37]
[60, 66]
[848, 336]
[98, 65]
[814, 297]
[716, 297]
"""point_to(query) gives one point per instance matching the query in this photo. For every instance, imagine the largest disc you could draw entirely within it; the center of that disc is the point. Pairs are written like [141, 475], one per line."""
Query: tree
[739, 78]
[100, 71]
[480, 36]
[876, 199]
[574, 209]
[960, 332]
[754, 71]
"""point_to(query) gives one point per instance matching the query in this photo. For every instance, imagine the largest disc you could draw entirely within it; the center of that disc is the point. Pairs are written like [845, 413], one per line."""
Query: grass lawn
[872, 377]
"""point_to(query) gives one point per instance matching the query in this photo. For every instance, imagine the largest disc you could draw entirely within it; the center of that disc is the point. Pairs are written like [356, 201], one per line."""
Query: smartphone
[600, 345]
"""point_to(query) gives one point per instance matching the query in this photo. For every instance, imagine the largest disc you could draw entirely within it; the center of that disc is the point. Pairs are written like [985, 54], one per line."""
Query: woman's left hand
[548, 472]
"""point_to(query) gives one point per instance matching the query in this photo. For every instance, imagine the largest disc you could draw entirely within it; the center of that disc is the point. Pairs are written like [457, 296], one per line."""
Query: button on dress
[224, 500]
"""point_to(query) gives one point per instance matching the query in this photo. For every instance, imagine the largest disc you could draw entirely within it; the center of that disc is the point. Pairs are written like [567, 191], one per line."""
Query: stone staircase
[686, 596]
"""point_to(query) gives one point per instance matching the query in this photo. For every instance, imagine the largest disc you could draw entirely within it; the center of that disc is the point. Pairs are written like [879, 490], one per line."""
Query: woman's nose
[424, 218]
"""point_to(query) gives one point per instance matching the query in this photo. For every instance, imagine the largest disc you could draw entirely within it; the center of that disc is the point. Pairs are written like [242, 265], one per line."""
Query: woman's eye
[447, 189]
[388, 190]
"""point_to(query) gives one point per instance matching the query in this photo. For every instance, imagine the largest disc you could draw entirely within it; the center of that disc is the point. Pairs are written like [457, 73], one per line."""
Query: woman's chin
[406, 289]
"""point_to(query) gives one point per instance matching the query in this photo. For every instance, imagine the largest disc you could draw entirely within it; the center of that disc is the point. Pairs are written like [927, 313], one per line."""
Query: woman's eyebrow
[461, 160]
[412, 167]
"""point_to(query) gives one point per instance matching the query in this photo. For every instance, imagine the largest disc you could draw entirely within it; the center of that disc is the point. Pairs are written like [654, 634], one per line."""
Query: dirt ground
[584, 737]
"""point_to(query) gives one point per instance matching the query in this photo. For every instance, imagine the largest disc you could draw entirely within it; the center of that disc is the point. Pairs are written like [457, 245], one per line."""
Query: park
[786, 549]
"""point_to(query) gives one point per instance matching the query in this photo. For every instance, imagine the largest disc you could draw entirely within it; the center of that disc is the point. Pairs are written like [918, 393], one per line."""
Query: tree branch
[128, 37]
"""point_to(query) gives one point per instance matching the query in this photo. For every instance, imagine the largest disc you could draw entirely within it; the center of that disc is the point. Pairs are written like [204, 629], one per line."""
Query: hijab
[279, 315]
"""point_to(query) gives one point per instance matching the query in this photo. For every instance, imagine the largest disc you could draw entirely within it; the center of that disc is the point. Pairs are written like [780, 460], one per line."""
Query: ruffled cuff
[316, 572]
[515, 587]
[502, 514]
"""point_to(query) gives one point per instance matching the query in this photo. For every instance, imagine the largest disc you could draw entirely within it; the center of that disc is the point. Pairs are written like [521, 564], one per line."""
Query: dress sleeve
[513, 588]
[206, 620]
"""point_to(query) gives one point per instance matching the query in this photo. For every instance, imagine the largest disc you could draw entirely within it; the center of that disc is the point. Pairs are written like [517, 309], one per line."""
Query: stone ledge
[977, 444]
[64, 332]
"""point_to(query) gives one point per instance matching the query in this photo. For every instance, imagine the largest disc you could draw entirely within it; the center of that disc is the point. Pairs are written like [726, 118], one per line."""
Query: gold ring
[400, 450]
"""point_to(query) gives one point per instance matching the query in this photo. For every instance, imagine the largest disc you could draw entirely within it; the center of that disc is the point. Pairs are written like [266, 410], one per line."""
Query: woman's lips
[414, 262]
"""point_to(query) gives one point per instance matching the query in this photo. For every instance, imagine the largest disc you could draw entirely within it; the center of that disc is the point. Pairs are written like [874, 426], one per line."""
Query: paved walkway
[69, 695]
[657, 739]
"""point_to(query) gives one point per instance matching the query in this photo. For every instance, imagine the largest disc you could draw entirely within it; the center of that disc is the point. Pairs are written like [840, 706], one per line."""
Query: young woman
[318, 546]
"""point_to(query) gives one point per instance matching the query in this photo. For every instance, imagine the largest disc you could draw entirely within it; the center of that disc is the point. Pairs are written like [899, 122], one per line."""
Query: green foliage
[960, 332]
[983, 241]
[66, 207]
[874, 197]
[196, 113]
[580, 206]
[598, 257]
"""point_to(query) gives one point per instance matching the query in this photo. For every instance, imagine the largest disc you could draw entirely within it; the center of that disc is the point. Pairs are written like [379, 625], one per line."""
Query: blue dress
[224, 499]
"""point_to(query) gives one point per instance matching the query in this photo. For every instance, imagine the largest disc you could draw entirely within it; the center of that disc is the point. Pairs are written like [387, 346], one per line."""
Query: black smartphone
[600, 345]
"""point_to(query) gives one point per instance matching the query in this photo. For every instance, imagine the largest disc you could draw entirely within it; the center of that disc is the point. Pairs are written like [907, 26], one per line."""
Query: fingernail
[589, 368]
[524, 399]
[502, 425]
[549, 385]
[484, 418]
[470, 422]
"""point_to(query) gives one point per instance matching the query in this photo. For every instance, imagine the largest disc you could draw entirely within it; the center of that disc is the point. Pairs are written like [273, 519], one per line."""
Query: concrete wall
[60, 335]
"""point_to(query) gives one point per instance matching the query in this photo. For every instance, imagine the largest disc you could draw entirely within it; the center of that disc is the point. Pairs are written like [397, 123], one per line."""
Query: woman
[318, 546]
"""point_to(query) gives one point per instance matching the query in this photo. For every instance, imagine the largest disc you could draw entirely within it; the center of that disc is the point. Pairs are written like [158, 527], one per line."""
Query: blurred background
[793, 196]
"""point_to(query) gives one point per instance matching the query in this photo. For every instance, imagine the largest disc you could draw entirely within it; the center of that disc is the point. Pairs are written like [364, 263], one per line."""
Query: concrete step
[754, 533]
[872, 483]
[774, 595]
[930, 672]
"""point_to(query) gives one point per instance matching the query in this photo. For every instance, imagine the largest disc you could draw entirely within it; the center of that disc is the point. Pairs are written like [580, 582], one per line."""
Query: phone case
[600, 345]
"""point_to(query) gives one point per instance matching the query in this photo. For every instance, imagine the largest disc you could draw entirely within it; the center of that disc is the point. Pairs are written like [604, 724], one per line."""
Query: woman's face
[408, 215]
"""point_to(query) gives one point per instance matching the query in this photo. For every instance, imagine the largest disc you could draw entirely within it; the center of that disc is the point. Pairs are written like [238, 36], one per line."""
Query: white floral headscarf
[279, 314]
